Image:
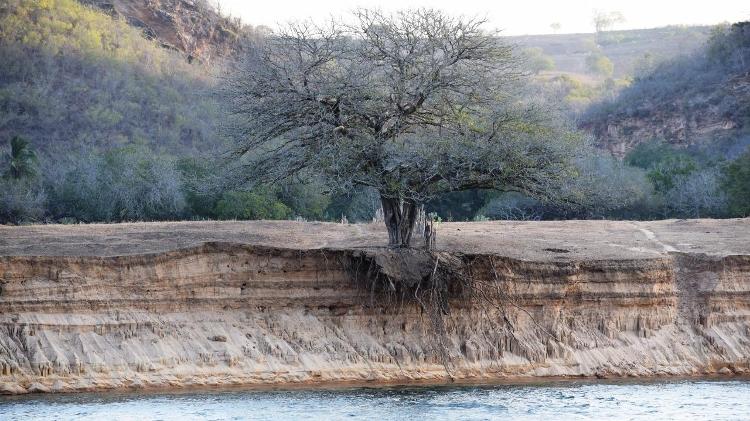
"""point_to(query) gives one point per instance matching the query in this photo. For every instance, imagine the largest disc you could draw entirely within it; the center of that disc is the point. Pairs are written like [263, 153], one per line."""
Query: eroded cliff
[245, 313]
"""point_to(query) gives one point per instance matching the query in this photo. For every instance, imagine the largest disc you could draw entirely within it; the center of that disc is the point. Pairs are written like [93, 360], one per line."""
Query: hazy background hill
[115, 98]
[628, 50]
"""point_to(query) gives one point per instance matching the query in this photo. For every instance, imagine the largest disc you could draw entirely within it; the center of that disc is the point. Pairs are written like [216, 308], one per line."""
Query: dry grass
[541, 241]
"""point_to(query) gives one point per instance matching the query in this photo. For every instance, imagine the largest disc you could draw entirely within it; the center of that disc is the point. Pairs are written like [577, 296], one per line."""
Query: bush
[697, 195]
[305, 200]
[512, 206]
[736, 184]
[124, 184]
[461, 205]
[647, 154]
[665, 174]
[200, 186]
[665, 164]
[360, 205]
[536, 61]
[20, 201]
[600, 64]
[245, 205]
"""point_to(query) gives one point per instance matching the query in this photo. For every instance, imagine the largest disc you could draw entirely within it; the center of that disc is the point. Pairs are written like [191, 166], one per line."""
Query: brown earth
[192, 27]
[91, 307]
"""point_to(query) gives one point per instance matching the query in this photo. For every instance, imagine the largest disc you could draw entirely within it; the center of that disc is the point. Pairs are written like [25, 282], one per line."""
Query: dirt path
[652, 237]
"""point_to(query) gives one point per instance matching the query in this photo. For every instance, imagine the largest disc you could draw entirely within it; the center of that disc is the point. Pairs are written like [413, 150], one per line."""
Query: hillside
[698, 98]
[143, 94]
[628, 50]
[197, 29]
[114, 119]
[73, 78]
[193, 27]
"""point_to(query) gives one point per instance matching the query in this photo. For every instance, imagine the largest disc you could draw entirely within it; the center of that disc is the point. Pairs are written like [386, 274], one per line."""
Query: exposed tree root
[436, 281]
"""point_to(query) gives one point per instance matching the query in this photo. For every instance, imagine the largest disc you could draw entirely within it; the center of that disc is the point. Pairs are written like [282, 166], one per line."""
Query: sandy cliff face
[228, 313]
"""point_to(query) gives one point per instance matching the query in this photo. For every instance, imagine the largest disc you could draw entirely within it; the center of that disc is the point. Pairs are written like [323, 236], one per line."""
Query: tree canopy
[413, 104]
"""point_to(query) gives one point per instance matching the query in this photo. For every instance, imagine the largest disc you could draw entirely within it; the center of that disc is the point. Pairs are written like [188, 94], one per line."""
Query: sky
[512, 17]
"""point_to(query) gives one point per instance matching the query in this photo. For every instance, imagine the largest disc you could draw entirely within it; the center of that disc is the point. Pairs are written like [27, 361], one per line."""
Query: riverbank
[196, 304]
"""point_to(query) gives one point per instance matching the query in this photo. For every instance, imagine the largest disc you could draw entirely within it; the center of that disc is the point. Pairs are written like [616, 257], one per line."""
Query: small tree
[605, 20]
[21, 159]
[414, 105]
[21, 196]
[537, 61]
[736, 183]
[600, 64]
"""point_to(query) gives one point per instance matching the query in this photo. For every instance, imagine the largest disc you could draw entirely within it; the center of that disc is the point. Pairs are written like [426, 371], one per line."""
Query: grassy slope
[74, 77]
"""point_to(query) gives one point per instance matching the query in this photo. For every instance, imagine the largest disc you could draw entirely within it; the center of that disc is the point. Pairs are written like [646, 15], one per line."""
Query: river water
[669, 400]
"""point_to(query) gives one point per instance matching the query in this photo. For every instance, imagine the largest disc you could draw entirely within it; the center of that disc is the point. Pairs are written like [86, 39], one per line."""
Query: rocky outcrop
[680, 121]
[702, 97]
[229, 313]
[193, 27]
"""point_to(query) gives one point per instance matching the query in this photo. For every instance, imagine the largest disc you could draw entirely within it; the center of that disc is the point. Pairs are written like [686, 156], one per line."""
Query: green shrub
[736, 183]
[198, 178]
[600, 64]
[245, 205]
[665, 174]
[647, 154]
[305, 200]
[665, 164]
[22, 160]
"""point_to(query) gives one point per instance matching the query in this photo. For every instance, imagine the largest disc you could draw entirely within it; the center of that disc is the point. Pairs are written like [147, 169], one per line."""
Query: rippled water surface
[715, 400]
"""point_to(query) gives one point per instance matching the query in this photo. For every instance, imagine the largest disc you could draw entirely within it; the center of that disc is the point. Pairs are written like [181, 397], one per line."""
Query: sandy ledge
[273, 304]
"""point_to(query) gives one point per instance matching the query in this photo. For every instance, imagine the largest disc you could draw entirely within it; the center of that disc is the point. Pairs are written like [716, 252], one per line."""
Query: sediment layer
[224, 313]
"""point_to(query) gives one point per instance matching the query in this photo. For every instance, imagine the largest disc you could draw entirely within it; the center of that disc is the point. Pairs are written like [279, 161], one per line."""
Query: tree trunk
[399, 217]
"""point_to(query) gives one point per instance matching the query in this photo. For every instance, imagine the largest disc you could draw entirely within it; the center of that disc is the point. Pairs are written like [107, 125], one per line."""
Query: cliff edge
[123, 306]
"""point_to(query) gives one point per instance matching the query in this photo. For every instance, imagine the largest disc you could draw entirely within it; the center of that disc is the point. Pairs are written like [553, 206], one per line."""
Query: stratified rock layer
[229, 314]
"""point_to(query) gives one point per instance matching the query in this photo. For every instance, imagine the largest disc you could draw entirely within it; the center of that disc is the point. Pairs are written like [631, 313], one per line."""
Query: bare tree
[605, 20]
[413, 104]
[698, 195]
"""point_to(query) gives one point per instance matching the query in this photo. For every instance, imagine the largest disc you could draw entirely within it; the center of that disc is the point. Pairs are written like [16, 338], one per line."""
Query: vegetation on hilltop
[708, 87]
[592, 67]
[686, 123]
